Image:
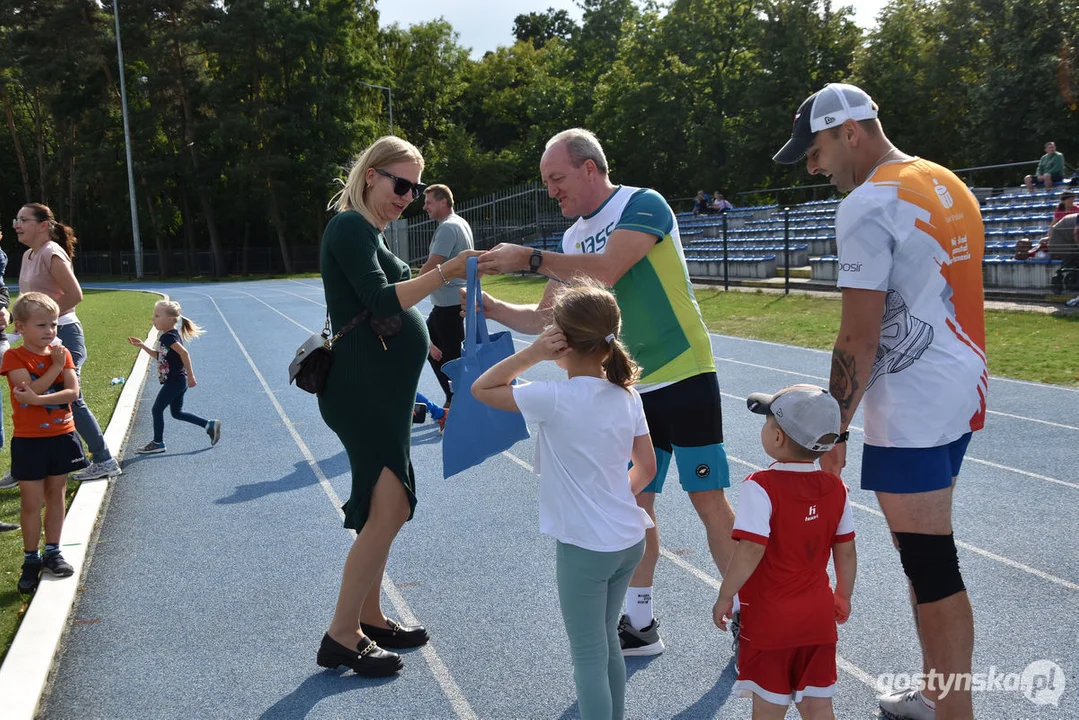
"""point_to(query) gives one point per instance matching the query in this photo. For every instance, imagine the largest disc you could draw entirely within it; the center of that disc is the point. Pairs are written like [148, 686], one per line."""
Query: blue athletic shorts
[912, 470]
[685, 420]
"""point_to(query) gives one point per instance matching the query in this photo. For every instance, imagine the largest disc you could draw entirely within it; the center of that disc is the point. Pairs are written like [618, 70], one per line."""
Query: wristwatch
[843, 436]
[535, 261]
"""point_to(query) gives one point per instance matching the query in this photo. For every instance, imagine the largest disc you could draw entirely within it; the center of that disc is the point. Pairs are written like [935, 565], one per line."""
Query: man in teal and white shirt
[627, 238]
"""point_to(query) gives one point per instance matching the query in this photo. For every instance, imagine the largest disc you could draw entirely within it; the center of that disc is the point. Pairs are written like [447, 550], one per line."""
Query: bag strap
[360, 317]
[475, 319]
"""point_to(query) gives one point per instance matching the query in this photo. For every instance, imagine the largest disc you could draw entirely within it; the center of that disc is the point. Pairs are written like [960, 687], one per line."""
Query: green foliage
[537, 28]
[243, 111]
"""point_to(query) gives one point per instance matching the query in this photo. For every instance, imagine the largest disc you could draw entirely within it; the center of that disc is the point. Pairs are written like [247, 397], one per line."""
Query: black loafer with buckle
[368, 659]
[397, 636]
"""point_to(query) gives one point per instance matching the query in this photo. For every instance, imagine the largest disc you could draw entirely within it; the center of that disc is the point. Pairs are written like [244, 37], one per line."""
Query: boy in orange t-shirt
[44, 448]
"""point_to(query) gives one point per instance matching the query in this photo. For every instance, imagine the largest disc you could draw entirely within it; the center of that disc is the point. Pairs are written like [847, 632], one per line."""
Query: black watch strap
[535, 261]
[843, 436]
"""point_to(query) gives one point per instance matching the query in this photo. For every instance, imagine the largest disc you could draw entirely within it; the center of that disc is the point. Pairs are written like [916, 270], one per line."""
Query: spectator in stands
[701, 204]
[720, 203]
[1025, 250]
[1050, 169]
[1066, 206]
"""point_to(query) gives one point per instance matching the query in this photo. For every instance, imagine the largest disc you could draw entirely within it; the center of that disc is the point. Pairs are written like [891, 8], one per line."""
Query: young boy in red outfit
[791, 518]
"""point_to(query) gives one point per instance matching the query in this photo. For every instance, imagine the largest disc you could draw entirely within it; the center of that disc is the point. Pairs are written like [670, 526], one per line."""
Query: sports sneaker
[214, 431]
[637, 643]
[30, 577]
[8, 527]
[906, 705]
[151, 448]
[8, 482]
[55, 564]
[96, 471]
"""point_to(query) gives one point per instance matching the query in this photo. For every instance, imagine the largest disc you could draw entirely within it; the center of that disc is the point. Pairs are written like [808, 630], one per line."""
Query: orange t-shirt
[38, 420]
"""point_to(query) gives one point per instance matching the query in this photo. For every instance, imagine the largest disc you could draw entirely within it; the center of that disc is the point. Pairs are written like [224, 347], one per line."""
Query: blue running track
[215, 570]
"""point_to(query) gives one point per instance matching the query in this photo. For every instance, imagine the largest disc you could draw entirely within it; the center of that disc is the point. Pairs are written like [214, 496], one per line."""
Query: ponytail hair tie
[609, 338]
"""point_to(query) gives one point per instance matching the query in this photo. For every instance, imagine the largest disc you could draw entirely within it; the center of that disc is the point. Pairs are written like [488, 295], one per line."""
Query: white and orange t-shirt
[914, 230]
[798, 513]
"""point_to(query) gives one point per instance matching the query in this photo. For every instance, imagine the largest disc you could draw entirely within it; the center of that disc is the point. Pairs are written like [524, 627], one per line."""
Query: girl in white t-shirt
[589, 427]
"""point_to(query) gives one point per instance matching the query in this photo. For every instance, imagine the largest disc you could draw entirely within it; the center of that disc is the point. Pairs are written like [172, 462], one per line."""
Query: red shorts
[786, 675]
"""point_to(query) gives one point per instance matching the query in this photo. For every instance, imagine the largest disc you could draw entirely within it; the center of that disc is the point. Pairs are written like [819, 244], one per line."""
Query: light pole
[389, 91]
[127, 146]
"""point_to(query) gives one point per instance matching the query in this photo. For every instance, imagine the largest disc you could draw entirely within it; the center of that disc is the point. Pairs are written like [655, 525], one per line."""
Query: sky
[486, 24]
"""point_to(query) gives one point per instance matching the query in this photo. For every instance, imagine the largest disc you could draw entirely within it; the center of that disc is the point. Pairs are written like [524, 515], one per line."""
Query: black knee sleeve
[931, 562]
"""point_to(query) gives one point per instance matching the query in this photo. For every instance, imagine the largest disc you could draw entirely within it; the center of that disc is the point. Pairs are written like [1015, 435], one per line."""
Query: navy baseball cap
[830, 106]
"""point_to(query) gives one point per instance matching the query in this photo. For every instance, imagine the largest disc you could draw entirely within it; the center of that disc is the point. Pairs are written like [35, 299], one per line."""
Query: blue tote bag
[474, 431]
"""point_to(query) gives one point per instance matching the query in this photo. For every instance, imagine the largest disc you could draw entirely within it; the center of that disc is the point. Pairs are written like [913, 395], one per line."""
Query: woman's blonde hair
[588, 315]
[387, 150]
[188, 329]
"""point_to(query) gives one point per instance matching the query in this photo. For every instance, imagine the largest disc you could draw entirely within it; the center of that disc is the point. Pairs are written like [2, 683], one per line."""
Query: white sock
[928, 703]
[639, 607]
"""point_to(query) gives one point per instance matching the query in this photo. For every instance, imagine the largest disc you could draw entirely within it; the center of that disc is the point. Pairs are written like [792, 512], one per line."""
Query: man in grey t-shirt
[445, 324]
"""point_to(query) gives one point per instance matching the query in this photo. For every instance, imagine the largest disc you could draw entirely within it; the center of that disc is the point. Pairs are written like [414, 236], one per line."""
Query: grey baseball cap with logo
[807, 413]
[829, 107]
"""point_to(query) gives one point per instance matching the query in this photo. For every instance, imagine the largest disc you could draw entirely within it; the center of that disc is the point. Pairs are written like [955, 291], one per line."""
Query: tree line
[243, 112]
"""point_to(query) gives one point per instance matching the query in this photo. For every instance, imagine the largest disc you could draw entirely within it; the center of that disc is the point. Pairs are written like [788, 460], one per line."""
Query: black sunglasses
[402, 186]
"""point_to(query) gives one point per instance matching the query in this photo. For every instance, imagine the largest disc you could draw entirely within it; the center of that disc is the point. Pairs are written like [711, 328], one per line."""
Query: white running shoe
[906, 705]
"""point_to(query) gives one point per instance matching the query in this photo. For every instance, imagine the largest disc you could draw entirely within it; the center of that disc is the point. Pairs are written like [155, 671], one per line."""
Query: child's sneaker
[55, 564]
[151, 448]
[30, 577]
[214, 431]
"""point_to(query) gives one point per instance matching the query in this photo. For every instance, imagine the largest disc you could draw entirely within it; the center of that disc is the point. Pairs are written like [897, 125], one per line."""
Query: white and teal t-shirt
[661, 321]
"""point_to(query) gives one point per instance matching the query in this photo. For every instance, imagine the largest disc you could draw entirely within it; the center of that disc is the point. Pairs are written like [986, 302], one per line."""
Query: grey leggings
[85, 422]
[591, 588]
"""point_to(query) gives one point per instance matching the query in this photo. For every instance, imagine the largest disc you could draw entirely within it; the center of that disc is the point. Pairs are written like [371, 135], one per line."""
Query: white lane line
[310, 300]
[438, 668]
[1034, 420]
[966, 546]
[773, 369]
[714, 583]
[1065, 483]
[299, 325]
[1044, 386]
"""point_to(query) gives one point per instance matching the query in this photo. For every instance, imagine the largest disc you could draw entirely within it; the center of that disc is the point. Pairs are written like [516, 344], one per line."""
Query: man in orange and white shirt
[911, 343]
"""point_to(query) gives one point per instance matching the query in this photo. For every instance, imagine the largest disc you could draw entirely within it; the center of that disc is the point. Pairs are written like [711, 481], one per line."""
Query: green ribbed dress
[371, 390]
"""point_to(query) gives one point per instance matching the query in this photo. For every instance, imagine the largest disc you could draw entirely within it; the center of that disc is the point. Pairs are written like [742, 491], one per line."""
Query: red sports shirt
[797, 512]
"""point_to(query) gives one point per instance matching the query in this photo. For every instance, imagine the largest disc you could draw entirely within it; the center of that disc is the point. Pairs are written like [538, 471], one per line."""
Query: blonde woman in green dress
[371, 391]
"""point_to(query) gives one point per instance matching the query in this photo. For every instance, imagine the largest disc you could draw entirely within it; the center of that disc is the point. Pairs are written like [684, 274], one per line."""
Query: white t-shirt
[584, 441]
[915, 231]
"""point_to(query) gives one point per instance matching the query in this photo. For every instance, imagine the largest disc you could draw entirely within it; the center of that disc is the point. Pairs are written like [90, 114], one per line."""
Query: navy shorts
[685, 420]
[912, 470]
[37, 458]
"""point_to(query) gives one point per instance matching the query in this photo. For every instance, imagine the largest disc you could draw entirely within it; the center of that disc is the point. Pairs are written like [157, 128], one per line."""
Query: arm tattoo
[844, 383]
